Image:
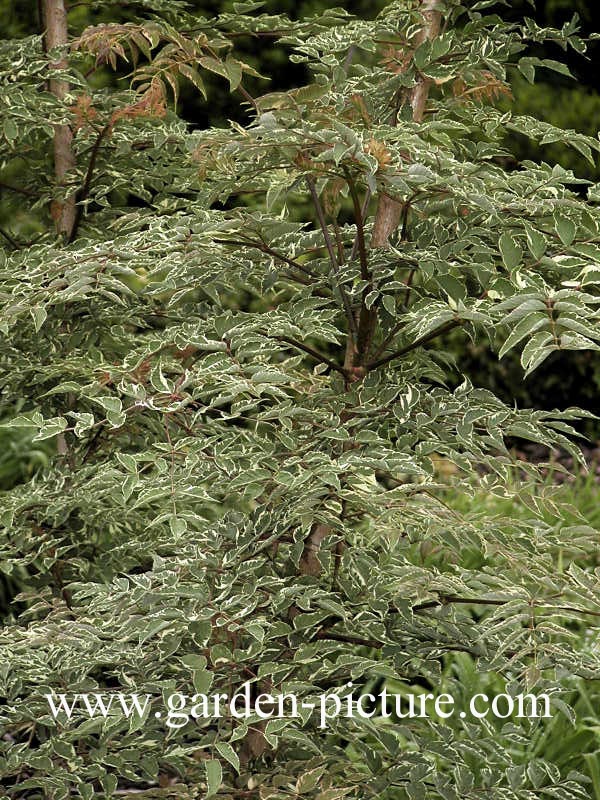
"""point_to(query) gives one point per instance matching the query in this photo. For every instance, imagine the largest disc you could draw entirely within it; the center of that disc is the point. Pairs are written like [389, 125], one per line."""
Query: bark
[389, 211]
[309, 563]
[432, 19]
[55, 22]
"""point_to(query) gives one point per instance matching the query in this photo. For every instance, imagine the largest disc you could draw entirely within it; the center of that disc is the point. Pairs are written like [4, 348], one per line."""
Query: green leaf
[194, 76]
[389, 303]
[511, 252]
[537, 349]
[50, 427]
[565, 228]
[233, 68]
[536, 242]
[39, 315]
[214, 776]
[228, 753]
[525, 327]
[10, 130]
[270, 376]
[214, 65]
[202, 680]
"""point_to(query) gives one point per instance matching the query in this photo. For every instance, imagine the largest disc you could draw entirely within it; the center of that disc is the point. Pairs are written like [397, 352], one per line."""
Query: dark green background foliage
[235, 445]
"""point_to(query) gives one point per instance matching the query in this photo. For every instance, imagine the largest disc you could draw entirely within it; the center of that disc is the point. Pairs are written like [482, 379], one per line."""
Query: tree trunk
[432, 19]
[55, 22]
[389, 211]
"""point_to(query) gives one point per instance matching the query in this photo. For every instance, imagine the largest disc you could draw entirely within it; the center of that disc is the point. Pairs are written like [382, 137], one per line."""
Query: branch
[342, 637]
[339, 243]
[248, 98]
[263, 247]
[449, 599]
[316, 354]
[360, 230]
[388, 339]
[322, 222]
[334, 264]
[387, 217]
[375, 643]
[83, 193]
[18, 189]
[368, 316]
[363, 214]
[448, 326]
[409, 281]
[12, 242]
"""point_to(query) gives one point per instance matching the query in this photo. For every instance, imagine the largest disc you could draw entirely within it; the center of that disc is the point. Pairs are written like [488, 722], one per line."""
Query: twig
[363, 214]
[360, 230]
[12, 242]
[18, 189]
[322, 222]
[83, 193]
[349, 56]
[409, 281]
[368, 316]
[334, 264]
[248, 97]
[448, 326]
[339, 243]
[432, 19]
[389, 338]
[449, 599]
[269, 251]
[55, 21]
[343, 637]
[316, 354]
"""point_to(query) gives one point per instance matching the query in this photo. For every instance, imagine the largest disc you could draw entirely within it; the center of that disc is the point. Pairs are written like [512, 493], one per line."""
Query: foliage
[249, 417]
[563, 379]
[573, 107]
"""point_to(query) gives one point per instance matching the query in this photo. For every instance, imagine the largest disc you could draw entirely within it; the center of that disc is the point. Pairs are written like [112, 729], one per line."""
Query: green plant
[249, 412]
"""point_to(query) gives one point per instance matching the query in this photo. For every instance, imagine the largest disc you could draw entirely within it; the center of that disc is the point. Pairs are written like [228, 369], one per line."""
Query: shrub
[250, 416]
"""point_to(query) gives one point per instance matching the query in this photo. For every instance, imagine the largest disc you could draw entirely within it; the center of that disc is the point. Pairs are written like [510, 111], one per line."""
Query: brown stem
[432, 19]
[55, 22]
[322, 222]
[248, 98]
[409, 281]
[360, 229]
[363, 214]
[329, 245]
[12, 242]
[318, 356]
[309, 561]
[449, 599]
[448, 326]
[389, 211]
[368, 316]
[340, 244]
[343, 637]
[263, 247]
[87, 183]
[388, 339]
[17, 189]
[387, 219]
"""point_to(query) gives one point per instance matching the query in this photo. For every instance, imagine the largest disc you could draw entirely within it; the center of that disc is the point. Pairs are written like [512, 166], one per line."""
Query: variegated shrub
[232, 340]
